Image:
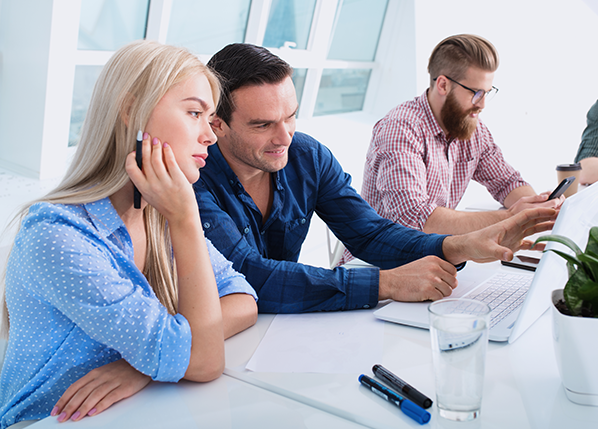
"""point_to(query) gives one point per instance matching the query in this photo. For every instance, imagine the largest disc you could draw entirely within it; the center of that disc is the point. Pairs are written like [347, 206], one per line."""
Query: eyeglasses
[477, 94]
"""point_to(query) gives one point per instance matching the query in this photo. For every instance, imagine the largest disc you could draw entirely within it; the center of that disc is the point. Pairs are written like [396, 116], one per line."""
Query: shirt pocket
[294, 236]
[463, 171]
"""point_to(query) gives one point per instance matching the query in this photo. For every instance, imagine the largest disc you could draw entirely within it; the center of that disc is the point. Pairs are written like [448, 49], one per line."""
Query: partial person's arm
[501, 240]
[165, 187]
[239, 312]
[449, 221]
[589, 170]
[587, 153]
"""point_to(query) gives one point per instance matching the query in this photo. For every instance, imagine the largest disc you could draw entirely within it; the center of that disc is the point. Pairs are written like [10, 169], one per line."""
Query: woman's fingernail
[54, 411]
[76, 415]
[145, 136]
[92, 412]
[62, 416]
[155, 140]
[165, 144]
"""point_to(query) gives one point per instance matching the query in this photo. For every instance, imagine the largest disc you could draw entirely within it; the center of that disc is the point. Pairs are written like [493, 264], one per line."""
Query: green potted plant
[575, 319]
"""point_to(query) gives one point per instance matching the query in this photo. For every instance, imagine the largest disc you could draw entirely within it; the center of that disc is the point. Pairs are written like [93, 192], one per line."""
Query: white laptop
[578, 214]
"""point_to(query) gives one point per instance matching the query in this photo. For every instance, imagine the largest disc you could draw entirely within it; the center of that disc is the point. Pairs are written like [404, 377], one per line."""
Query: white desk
[222, 403]
[522, 386]
[522, 390]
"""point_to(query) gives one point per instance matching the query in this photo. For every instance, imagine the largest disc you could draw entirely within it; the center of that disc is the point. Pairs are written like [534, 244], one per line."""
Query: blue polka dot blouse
[77, 301]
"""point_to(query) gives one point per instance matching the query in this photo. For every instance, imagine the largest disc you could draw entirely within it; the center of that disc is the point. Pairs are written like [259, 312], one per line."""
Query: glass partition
[85, 79]
[289, 23]
[106, 25]
[205, 27]
[357, 30]
[341, 90]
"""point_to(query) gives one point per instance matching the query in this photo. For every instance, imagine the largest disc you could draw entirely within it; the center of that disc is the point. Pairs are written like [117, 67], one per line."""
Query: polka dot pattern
[77, 301]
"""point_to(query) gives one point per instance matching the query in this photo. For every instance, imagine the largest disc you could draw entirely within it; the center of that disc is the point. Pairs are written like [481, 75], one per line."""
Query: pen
[395, 382]
[416, 412]
[138, 149]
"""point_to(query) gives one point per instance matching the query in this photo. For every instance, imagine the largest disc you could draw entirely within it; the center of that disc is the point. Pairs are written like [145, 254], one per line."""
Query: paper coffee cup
[566, 170]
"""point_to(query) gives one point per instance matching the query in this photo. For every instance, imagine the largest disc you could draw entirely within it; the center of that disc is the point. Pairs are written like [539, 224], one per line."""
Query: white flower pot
[576, 349]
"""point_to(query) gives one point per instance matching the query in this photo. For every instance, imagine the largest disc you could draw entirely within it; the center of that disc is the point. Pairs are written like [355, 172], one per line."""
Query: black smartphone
[524, 262]
[559, 190]
[138, 158]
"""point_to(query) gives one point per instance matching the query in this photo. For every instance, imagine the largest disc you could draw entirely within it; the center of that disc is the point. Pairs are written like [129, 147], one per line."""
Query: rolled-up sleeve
[493, 171]
[229, 281]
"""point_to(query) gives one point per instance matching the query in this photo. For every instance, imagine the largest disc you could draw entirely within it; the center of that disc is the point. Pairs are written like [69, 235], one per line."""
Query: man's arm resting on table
[589, 170]
[448, 221]
[239, 312]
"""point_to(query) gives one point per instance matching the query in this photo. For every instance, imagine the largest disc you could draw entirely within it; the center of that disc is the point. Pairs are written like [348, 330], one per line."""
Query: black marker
[138, 149]
[395, 382]
[416, 412]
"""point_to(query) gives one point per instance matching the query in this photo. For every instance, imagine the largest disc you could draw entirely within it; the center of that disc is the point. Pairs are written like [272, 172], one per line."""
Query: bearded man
[424, 152]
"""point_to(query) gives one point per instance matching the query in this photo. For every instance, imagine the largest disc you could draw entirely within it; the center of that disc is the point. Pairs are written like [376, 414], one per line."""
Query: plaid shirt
[411, 167]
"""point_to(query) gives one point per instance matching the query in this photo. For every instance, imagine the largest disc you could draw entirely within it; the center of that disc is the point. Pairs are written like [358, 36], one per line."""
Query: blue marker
[416, 412]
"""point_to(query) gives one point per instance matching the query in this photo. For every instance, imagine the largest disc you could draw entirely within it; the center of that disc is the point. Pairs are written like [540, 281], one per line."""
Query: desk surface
[522, 389]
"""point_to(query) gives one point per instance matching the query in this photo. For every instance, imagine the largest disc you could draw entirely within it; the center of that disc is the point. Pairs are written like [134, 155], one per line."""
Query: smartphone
[524, 262]
[559, 190]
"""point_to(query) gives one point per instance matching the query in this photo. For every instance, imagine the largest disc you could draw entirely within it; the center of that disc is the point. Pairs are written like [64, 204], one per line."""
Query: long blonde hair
[131, 83]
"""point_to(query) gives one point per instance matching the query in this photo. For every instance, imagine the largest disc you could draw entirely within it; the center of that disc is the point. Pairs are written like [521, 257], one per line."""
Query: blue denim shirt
[77, 301]
[311, 182]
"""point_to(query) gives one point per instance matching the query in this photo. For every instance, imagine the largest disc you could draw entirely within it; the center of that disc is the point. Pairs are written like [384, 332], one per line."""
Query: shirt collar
[431, 122]
[215, 155]
[104, 217]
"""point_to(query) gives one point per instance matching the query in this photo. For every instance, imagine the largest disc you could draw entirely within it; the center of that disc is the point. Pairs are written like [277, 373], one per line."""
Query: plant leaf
[588, 292]
[570, 259]
[571, 291]
[592, 246]
[570, 269]
[590, 264]
[562, 240]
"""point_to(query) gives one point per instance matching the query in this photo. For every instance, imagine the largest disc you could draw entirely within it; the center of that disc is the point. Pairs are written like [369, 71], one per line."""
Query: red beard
[457, 122]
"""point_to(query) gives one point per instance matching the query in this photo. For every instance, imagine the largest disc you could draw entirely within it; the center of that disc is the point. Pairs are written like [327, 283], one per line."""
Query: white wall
[37, 48]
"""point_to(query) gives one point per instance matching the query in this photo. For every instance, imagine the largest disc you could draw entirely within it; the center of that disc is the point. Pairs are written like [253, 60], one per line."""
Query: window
[342, 90]
[289, 23]
[85, 79]
[330, 43]
[106, 25]
[197, 24]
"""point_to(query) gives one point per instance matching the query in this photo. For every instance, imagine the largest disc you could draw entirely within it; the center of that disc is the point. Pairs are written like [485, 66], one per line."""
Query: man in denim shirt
[263, 182]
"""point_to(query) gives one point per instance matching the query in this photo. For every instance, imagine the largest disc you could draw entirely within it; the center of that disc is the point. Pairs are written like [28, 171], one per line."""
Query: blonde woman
[92, 282]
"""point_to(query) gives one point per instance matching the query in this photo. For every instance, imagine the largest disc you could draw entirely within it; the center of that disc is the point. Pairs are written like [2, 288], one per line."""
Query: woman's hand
[161, 182]
[98, 390]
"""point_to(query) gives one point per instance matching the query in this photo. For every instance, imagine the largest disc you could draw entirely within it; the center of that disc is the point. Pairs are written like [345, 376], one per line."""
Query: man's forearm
[589, 170]
[518, 193]
[449, 221]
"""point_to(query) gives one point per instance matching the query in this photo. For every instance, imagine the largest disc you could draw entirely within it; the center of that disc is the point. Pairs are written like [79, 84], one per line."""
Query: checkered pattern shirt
[411, 167]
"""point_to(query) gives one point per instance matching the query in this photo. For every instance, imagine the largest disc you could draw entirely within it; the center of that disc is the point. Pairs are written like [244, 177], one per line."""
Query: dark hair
[455, 54]
[242, 64]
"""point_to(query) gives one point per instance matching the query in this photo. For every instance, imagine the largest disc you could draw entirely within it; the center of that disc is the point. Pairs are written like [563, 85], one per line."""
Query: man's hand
[429, 278]
[98, 390]
[536, 201]
[501, 240]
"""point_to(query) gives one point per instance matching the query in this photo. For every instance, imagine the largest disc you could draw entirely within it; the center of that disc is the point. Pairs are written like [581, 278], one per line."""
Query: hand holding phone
[561, 188]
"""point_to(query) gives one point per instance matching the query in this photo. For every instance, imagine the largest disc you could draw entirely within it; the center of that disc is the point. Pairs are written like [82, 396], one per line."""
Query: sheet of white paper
[346, 342]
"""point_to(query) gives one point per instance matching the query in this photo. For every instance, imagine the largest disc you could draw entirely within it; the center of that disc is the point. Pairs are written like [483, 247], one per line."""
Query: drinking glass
[459, 331]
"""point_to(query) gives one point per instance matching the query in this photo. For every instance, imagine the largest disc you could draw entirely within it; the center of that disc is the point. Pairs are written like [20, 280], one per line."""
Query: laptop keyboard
[503, 294]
